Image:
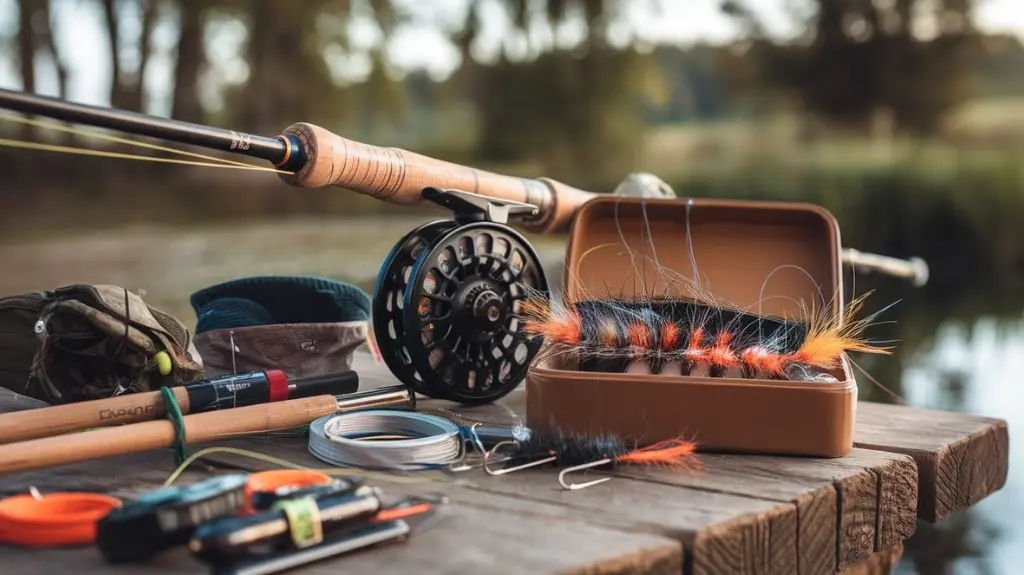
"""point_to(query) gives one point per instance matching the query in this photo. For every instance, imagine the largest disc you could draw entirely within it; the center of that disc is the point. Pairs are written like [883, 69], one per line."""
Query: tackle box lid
[772, 258]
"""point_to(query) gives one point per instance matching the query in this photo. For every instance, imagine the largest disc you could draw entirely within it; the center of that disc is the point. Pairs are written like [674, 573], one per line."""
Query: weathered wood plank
[847, 490]
[465, 539]
[809, 485]
[727, 533]
[753, 514]
[897, 502]
[722, 533]
[148, 470]
[478, 533]
[880, 563]
[816, 532]
[961, 458]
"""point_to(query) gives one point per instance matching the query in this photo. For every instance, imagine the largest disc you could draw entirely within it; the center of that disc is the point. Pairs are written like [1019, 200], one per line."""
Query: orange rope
[54, 519]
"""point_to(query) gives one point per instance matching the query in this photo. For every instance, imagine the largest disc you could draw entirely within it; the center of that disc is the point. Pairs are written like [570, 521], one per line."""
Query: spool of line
[53, 519]
[385, 439]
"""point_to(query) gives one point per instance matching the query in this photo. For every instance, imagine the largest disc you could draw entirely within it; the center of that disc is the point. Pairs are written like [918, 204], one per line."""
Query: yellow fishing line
[426, 477]
[102, 136]
[84, 152]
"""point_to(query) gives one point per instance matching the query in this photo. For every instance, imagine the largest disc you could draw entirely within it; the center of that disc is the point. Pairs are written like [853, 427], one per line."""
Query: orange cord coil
[53, 519]
[264, 486]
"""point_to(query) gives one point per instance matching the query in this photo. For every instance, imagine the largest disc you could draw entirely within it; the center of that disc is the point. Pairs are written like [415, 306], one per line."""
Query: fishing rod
[308, 156]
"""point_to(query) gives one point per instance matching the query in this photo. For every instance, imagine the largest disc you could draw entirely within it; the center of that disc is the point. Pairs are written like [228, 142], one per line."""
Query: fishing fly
[580, 452]
[679, 337]
[685, 329]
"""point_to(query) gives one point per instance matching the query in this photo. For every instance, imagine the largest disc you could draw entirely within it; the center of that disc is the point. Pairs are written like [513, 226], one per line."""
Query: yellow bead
[163, 363]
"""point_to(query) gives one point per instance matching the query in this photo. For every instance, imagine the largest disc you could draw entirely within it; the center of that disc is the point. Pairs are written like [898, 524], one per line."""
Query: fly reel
[447, 304]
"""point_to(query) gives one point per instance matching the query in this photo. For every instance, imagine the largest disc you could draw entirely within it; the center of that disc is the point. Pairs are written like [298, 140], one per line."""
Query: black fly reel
[448, 301]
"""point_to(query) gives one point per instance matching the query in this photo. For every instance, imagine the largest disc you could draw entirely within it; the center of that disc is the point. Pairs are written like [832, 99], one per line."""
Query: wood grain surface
[737, 514]
[961, 458]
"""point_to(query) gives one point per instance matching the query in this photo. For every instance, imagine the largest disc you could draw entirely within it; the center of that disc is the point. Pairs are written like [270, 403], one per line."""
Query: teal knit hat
[301, 325]
[266, 300]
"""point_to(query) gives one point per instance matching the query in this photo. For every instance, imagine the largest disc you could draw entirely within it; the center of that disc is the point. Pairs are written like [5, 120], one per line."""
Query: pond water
[974, 366]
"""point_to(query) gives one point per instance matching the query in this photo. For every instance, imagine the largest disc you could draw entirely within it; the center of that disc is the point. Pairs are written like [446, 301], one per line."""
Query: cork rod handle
[150, 435]
[60, 419]
[398, 176]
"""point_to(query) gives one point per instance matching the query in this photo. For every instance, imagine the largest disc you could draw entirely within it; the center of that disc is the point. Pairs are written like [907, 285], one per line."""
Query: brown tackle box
[746, 252]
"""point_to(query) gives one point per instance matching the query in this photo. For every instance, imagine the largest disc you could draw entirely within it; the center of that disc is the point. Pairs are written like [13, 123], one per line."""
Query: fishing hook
[474, 440]
[575, 486]
[487, 456]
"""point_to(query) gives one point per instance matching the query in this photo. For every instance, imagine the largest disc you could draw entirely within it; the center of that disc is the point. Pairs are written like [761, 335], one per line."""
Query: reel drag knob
[488, 309]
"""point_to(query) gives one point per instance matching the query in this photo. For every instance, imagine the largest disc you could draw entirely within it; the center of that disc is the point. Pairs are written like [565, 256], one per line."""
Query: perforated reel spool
[447, 310]
[464, 300]
[389, 301]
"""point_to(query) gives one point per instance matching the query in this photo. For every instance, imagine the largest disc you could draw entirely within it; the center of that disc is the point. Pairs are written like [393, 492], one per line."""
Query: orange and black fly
[688, 337]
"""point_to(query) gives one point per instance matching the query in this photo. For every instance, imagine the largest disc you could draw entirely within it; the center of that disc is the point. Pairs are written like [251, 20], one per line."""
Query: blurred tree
[191, 59]
[289, 75]
[999, 73]
[382, 100]
[695, 87]
[909, 59]
[126, 85]
[35, 38]
[575, 110]
[43, 24]
[27, 43]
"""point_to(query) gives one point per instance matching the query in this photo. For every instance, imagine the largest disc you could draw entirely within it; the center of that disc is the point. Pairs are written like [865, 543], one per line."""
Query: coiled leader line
[384, 439]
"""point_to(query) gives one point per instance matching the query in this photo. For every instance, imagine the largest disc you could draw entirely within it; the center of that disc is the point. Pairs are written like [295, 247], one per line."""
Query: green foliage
[858, 58]
[571, 111]
[971, 214]
[573, 116]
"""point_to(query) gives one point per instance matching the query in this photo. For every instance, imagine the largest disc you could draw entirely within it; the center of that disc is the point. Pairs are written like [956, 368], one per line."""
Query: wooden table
[740, 514]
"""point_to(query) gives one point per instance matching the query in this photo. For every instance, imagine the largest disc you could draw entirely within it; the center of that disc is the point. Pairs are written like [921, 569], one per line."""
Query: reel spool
[447, 304]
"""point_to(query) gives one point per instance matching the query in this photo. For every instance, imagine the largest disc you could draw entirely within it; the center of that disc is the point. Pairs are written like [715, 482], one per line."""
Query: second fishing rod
[214, 394]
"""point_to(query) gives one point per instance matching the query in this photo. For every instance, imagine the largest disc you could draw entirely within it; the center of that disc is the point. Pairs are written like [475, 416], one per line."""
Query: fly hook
[487, 456]
[574, 486]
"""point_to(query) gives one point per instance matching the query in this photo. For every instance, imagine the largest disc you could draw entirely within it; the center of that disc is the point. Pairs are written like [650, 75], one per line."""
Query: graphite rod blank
[273, 150]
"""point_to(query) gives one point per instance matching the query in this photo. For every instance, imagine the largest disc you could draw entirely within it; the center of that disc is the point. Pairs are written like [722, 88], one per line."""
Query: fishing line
[873, 380]
[284, 463]
[84, 152]
[101, 136]
[366, 439]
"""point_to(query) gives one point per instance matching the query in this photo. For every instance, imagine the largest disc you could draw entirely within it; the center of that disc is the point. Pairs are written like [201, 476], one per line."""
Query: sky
[81, 36]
